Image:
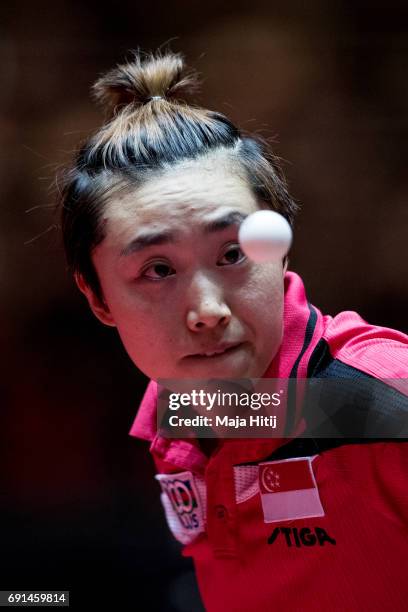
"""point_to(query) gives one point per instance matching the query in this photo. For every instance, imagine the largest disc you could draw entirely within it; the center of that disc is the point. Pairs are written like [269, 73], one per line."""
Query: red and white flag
[288, 490]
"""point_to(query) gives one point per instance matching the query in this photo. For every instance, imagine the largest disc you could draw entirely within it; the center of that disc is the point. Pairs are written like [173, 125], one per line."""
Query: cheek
[144, 328]
[263, 292]
[145, 344]
[132, 310]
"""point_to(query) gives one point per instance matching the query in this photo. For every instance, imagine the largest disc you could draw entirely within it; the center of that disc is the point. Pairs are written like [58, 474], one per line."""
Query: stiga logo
[301, 537]
[183, 499]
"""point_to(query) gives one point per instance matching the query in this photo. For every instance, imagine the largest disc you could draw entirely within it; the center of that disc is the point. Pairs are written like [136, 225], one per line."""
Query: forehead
[196, 191]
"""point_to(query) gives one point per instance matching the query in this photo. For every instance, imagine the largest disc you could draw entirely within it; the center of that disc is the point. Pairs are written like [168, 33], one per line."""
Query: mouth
[216, 351]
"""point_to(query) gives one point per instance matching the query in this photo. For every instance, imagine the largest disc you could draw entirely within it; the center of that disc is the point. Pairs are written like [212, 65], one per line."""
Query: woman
[150, 214]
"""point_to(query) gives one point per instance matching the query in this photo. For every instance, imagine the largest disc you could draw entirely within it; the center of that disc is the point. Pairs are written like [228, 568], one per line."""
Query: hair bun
[145, 77]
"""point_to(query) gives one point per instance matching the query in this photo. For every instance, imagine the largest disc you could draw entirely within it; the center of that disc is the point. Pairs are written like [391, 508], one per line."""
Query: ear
[98, 307]
[285, 264]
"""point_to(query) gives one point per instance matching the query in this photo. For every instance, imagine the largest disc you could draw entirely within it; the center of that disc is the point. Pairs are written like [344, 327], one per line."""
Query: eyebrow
[148, 239]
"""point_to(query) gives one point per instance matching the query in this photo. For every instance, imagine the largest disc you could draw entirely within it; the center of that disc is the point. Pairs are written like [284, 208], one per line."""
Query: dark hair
[148, 127]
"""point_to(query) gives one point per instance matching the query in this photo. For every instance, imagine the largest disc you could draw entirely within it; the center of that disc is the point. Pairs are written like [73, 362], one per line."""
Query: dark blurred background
[80, 507]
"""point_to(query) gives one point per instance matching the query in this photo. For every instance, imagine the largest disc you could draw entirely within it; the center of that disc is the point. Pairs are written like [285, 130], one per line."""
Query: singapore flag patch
[288, 490]
[183, 497]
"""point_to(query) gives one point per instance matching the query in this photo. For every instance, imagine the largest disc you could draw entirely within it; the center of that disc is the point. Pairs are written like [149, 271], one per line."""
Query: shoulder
[367, 394]
[348, 342]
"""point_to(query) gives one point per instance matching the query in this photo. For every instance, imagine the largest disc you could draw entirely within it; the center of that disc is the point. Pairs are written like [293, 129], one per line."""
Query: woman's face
[185, 300]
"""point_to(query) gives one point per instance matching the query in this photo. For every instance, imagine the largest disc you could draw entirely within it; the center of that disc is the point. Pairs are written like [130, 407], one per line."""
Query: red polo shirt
[296, 524]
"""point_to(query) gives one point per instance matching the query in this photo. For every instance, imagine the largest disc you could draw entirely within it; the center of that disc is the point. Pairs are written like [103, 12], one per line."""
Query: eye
[232, 255]
[157, 271]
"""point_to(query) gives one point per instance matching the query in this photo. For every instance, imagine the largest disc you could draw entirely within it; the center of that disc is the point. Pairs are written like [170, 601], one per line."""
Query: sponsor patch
[183, 499]
[288, 490]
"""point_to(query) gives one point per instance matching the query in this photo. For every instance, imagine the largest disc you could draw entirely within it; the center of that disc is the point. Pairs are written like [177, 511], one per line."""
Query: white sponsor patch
[183, 498]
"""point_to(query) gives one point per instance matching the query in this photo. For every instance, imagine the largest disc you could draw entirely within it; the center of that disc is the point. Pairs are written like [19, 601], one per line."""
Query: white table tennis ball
[265, 236]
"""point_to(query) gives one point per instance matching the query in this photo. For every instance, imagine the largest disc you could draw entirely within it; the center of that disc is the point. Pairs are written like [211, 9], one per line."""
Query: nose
[207, 307]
